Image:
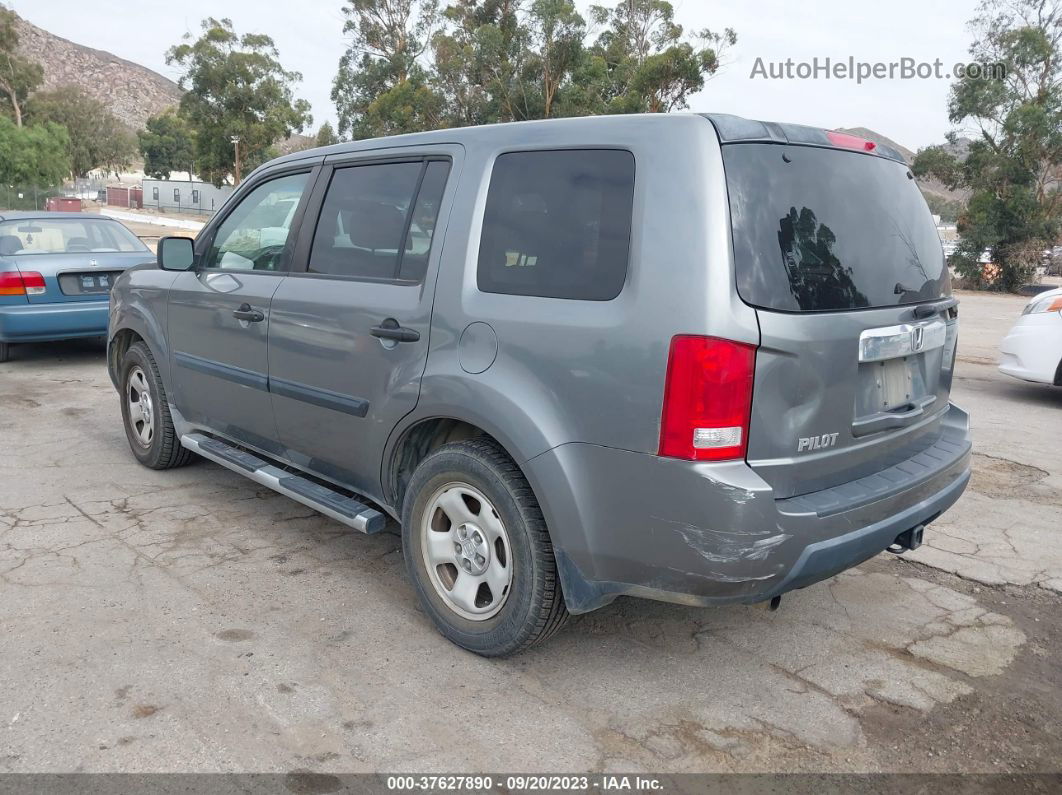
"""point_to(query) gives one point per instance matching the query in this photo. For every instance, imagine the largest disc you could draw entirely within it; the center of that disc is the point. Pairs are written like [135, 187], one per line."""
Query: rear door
[348, 336]
[839, 254]
[219, 313]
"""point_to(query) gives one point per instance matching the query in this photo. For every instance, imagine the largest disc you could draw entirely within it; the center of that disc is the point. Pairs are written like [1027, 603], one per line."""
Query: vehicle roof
[483, 132]
[19, 215]
[729, 128]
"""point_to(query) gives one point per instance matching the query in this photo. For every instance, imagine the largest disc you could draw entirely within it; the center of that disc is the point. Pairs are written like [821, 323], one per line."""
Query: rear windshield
[825, 230]
[65, 236]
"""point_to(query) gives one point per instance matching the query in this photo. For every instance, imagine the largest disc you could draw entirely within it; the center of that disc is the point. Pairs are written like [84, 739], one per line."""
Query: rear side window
[820, 229]
[558, 224]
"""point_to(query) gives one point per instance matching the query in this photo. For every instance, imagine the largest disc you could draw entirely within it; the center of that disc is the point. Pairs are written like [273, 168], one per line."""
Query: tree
[646, 61]
[1014, 166]
[326, 135]
[167, 145]
[97, 138]
[479, 61]
[380, 88]
[557, 33]
[947, 209]
[35, 154]
[409, 68]
[235, 86]
[18, 75]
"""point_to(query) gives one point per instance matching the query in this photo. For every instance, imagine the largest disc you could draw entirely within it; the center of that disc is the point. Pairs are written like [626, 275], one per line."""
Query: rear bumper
[1032, 351]
[44, 322]
[695, 533]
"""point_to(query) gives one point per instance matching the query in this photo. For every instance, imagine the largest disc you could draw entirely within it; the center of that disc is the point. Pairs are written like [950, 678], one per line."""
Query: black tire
[5, 351]
[164, 450]
[534, 608]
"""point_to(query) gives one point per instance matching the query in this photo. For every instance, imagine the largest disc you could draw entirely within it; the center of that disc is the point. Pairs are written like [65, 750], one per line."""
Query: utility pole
[236, 142]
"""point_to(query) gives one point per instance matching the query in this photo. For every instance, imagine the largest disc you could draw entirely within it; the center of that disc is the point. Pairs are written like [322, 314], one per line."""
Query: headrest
[9, 244]
[373, 225]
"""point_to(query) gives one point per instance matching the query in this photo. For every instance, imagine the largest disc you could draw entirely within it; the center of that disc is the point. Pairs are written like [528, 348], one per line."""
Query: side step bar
[331, 503]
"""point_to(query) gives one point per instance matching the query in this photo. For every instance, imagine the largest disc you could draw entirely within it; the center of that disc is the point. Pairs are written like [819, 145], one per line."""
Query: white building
[183, 196]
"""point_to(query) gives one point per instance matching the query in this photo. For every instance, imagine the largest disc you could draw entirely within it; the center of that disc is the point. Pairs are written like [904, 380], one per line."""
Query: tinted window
[254, 235]
[557, 224]
[370, 225]
[422, 224]
[829, 230]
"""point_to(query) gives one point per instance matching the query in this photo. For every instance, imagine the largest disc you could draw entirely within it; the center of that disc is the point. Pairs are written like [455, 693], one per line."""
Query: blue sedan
[56, 272]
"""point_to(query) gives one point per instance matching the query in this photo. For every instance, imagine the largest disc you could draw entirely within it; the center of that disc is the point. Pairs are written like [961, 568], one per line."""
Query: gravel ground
[193, 621]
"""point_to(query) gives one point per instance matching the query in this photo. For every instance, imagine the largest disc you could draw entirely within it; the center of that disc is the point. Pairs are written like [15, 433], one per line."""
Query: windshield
[65, 236]
[819, 229]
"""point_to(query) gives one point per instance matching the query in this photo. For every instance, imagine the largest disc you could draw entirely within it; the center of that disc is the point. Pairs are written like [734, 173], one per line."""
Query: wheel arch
[416, 438]
[135, 327]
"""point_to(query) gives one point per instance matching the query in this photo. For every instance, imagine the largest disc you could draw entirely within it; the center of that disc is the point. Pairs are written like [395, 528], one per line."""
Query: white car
[1032, 350]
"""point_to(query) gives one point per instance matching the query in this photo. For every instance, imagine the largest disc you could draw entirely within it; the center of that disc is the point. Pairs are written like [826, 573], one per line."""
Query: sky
[309, 37]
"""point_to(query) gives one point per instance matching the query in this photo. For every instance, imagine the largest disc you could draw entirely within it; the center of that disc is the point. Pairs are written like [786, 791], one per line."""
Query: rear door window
[820, 229]
[557, 224]
[378, 220]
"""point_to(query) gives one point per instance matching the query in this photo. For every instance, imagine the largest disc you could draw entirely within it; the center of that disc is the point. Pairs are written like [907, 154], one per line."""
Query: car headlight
[1052, 303]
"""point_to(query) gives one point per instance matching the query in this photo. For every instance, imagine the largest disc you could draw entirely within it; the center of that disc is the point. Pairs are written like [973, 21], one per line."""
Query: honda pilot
[693, 358]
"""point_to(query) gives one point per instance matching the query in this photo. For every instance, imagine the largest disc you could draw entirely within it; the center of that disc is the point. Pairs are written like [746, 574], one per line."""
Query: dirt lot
[193, 621]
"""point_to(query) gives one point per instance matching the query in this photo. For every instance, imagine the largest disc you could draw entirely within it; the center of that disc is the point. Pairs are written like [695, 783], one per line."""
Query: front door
[218, 319]
[348, 338]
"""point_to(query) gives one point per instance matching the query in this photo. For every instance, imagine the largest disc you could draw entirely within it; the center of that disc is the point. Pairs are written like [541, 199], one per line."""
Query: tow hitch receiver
[907, 540]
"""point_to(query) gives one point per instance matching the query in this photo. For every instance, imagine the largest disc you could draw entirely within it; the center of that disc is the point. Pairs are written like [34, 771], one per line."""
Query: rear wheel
[146, 414]
[478, 551]
[5, 351]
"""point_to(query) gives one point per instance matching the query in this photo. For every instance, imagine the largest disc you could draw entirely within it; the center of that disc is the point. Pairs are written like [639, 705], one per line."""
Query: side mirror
[176, 253]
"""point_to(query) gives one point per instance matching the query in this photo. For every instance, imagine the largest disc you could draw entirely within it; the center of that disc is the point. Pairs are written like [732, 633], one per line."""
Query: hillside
[132, 92]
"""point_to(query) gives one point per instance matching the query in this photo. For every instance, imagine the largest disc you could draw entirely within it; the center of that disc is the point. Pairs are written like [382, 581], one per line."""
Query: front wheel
[478, 551]
[146, 414]
[5, 351]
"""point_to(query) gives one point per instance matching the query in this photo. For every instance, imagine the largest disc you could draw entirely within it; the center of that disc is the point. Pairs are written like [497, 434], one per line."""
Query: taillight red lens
[25, 283]
[707, 399]
[11, 283]
[850, 141]
[33, 282]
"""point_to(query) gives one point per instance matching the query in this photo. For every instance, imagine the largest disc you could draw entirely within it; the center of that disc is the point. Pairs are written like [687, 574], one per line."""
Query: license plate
[894, 381]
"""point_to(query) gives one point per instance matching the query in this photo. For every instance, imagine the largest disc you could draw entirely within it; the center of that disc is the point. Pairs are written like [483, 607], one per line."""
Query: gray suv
[693, 358]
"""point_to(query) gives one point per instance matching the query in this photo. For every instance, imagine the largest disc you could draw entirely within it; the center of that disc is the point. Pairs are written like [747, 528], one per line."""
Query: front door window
[254, 236]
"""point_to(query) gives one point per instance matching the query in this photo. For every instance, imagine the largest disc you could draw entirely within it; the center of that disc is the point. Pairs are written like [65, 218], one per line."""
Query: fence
[27, 197]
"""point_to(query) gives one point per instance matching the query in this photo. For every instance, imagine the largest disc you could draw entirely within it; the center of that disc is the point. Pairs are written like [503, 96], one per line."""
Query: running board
[331, 503]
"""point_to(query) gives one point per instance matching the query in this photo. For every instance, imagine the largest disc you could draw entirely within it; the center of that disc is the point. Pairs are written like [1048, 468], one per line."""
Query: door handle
[245, 312]
[390, 330]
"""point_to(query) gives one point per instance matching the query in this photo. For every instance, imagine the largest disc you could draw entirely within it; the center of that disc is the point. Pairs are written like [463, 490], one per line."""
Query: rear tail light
[850, 141]
[25, 283]
[707, 399]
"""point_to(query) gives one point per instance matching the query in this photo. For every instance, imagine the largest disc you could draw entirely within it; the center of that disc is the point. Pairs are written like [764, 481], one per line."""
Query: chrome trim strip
[891, 342]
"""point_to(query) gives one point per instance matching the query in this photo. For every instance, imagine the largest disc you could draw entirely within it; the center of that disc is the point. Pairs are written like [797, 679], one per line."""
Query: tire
[494, 494]
[5, 351]
[149, 430]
